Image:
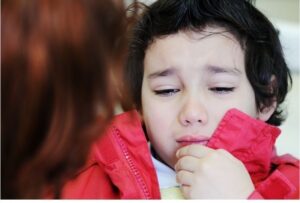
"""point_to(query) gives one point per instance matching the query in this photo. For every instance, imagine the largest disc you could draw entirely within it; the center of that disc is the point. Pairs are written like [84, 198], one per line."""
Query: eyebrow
[218, 69]
[162, 73]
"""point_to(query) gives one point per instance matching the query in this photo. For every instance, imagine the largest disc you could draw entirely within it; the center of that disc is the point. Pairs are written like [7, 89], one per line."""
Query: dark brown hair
[57, 60]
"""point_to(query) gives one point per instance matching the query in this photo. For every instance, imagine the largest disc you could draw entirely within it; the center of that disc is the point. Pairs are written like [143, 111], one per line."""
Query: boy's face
[190, 81]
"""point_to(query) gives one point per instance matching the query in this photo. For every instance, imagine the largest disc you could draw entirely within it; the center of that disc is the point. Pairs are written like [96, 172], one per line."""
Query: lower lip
[185, 143]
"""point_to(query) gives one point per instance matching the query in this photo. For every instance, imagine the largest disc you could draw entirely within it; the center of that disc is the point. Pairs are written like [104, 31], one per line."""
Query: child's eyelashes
[217, 90]
[166, 92]
[221, 90]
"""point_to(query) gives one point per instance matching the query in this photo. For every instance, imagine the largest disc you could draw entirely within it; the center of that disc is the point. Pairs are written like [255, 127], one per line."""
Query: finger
[186, 191]
[195, 150]
[188, 163]
[184, 177]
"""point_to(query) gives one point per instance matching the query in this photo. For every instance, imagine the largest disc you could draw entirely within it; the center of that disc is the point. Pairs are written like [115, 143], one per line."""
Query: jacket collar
[124, 154]
[248, 139]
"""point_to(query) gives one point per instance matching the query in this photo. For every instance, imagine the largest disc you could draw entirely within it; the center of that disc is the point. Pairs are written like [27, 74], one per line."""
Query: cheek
[245, 104]
[243, 100]
[156, 121]
[248, 104]
[155, 113]
[159, 132]
[249, 100]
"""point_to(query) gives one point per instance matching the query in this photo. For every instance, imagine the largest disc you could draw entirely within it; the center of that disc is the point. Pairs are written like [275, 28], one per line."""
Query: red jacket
[252, 142]
[120, 164]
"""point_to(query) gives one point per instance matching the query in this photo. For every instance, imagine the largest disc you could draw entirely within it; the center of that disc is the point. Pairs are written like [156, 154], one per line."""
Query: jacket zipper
[132, 167]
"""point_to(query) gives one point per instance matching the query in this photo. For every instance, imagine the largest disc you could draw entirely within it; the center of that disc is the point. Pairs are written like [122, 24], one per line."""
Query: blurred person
[57, 61]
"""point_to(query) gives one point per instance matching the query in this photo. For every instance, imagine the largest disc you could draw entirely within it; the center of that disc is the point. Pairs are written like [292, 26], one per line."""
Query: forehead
[208, 35]
[210, 46]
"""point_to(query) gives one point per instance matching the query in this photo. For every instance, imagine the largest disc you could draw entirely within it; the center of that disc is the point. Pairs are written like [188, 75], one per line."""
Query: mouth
[189, 139]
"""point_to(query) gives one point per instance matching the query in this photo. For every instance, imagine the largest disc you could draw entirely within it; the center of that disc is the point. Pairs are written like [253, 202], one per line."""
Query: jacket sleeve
[283, 183]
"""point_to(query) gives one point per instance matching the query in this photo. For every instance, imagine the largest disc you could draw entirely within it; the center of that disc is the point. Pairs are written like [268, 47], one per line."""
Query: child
[208, 78]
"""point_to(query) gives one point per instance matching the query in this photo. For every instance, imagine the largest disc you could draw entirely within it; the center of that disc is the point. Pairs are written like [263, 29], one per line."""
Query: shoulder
[125, 130]
[107, 164]
[283, 182]
[90, 183]
[288, 166]
[286, 159]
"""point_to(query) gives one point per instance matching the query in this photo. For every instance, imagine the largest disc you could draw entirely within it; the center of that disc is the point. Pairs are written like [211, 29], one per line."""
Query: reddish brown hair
[57, 57]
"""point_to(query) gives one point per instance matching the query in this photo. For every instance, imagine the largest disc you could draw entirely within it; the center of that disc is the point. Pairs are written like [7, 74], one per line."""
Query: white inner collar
[166, 176]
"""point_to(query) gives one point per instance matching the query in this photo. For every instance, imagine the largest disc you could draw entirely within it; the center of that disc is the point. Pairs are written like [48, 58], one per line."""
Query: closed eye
[166, 92]
[222, 90]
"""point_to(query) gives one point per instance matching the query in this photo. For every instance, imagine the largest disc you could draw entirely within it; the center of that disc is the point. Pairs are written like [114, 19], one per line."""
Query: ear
[266, 112]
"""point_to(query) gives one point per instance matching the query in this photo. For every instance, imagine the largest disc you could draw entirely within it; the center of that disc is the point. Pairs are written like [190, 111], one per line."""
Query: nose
[193, 112]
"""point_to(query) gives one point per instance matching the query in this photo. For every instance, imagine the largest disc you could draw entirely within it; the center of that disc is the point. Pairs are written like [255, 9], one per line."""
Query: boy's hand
[211, 174]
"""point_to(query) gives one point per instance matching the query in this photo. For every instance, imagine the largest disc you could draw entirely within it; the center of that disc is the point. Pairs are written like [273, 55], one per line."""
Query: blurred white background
[285, 17]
